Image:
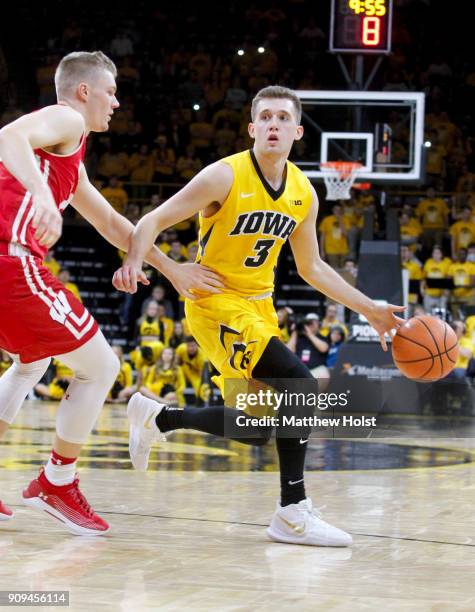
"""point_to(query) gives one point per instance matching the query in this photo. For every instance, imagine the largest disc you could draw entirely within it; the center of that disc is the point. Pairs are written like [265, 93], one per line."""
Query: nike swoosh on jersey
[303, 441]
[247, 195]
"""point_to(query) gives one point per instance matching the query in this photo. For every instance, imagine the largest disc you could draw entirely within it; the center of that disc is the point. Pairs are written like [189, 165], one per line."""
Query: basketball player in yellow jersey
[249, 205]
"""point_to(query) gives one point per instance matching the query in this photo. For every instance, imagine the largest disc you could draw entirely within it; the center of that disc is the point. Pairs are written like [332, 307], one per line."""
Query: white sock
[60, 475]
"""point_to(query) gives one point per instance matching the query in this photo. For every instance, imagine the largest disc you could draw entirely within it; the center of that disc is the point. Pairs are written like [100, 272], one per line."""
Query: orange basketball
[425, 348]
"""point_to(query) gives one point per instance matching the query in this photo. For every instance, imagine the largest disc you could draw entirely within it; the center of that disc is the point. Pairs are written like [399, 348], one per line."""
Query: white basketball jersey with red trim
[16, 211]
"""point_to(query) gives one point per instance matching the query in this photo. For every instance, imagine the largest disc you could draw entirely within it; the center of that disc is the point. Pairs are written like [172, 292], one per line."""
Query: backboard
[382, 130]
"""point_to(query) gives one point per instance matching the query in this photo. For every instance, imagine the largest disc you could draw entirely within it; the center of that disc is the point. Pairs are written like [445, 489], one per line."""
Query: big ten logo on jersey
[240, 352]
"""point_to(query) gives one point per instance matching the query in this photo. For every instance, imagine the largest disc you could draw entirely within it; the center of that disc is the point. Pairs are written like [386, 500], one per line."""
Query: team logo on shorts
[241, 354]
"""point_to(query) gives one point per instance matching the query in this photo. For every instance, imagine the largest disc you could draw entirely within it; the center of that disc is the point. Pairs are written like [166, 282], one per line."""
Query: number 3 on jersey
[262, 248]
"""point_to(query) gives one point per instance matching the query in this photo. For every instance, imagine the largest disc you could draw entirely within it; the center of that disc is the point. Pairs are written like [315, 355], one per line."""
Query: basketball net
[339, 178]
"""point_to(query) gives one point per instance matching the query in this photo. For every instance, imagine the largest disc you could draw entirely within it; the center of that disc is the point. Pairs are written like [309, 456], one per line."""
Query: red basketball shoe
[6, 513]
[65, 503]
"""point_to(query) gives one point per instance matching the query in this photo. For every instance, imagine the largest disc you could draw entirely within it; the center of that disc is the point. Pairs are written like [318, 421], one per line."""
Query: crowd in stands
[185, 95]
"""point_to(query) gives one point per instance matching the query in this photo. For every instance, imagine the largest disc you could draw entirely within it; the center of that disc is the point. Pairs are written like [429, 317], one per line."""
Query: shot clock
[361, 26]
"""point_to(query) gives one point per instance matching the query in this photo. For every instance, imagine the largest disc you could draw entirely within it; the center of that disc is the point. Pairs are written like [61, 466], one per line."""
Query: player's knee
[264, 437]
[115, 364]
[104, 367]
[278, 361]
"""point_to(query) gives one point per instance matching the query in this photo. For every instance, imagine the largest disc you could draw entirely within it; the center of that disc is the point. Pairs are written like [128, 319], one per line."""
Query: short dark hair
[277, 92]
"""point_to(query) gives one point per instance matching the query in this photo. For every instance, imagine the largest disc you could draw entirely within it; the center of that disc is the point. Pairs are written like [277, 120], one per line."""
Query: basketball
[425, 348]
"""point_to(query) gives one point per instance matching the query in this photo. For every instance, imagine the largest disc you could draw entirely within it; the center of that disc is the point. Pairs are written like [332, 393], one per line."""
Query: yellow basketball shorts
[232, 331]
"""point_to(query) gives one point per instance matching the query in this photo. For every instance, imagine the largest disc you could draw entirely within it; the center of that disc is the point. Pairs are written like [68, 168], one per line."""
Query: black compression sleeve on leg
[278, 360]
[216, 420]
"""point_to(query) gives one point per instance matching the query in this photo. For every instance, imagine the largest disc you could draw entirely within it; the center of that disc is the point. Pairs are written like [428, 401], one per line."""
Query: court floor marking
[249, 524]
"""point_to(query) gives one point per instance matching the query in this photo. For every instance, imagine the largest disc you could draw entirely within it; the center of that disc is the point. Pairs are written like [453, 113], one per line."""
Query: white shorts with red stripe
[39, 317]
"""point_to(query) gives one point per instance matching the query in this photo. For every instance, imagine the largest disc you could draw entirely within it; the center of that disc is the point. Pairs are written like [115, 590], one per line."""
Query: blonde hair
[77, 67]
[276, 91]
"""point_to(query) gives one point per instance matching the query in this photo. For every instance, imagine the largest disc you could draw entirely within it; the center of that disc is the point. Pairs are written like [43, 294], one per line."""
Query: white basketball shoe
[143, 430]
[301, 524]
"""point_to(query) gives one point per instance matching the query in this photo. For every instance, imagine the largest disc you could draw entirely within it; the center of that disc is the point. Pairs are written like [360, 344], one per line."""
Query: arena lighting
[427, 144]
[260, 49]
[196, 107]
[240, 52]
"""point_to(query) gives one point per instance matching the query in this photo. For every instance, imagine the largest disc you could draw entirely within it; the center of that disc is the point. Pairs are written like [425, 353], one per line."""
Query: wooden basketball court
[190, 533]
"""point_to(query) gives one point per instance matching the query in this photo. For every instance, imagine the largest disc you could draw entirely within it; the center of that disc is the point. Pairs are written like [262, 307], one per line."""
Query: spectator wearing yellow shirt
[165, 241]
[463, 273]
[123, 387]
[283, 323]
[55, 390]
[178, 336]
[165, 161]
[410, 230]
[159, 295]
[462, 233]
[353, 211]
[51, 263]
[433, 214]
[113, 163]
[65, 277]
[435, 267]
[176, 251]
[188, 165]
[165, 382]
[466, 350]
[142, 165]
[334, 237]
[166, 323]
[466, 181]
[414, 268]
[116, 195]
[435, 158]
[192, 361]
[201, 133]
[149, 330]
[470, 327]
[331, 319]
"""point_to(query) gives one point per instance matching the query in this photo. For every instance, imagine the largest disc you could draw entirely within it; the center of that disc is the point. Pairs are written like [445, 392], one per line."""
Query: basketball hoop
[339, 178]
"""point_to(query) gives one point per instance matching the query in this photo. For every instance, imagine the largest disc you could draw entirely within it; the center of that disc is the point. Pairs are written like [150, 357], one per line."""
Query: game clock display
[361, 26]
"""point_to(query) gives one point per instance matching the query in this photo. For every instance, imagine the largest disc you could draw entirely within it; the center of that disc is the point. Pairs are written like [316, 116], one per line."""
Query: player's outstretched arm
[211, 185]
[49, 127]
[322, 277]
[117, 230]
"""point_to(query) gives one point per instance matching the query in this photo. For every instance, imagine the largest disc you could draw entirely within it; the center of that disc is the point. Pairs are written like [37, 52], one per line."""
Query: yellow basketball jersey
[149, 331]
[243, 239]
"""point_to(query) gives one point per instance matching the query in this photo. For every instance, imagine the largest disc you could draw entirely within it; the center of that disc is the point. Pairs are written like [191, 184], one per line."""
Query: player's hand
[188, 276]
[47, 219]
[384, 321]
[127, 277]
